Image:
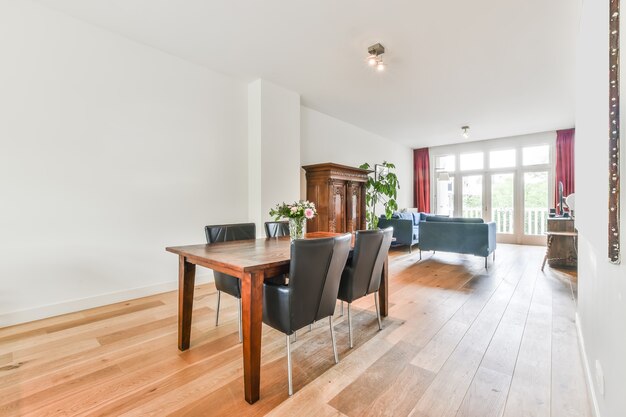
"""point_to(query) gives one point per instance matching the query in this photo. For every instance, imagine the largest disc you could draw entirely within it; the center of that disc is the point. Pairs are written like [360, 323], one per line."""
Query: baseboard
[72, 306]
[590, 386]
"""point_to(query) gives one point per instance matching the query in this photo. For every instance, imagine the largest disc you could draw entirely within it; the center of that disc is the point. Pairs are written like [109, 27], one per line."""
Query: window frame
[518, 143]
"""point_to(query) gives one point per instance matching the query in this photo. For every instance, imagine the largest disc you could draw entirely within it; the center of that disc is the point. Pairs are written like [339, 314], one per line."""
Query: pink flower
[309, 213]
[294, 209]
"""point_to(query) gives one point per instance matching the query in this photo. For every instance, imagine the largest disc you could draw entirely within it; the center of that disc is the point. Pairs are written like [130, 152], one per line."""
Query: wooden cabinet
[338, 192]
[562, 250]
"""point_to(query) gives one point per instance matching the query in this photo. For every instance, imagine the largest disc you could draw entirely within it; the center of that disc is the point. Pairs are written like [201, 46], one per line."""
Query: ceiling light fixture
[375, 58]
[465, 130]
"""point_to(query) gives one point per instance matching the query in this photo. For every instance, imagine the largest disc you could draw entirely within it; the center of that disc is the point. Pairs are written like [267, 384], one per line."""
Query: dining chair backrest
[230, 232]
[370, 251]
[227, 233]
[314, 276]
[276, 229]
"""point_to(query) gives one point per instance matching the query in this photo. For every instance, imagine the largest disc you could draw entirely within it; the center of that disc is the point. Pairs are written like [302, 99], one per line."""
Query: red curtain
[564, 163]
[421, 165]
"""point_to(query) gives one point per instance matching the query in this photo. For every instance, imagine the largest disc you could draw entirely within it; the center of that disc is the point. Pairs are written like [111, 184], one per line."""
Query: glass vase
[297, 228]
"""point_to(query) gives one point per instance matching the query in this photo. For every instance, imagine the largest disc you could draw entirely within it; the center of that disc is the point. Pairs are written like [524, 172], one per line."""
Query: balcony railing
[472, 212]
[504, 220]
[534, 219]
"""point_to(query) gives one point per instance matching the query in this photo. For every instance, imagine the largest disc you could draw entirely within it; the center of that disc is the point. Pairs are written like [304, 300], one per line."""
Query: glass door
[536, 188]
[503, 205]
[472, 203]
[445, 195]
[444, 185]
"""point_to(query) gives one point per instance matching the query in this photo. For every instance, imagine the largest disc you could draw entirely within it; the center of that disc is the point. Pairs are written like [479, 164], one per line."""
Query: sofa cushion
[416, 219]
[405, 216]
[454, 219]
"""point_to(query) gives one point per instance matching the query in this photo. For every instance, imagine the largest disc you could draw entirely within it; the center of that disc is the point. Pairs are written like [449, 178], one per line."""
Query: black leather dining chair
[363, 270]
[276, 229]
[311, 295]
[224, 282]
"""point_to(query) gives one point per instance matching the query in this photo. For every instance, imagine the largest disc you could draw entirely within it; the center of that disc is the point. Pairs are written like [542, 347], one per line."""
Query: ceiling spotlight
[375, 58]
[465, 130]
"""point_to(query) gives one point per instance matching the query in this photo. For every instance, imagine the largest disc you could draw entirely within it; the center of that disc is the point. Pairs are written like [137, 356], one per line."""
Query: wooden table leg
[252, 320]
[383, 291]
[186, 282]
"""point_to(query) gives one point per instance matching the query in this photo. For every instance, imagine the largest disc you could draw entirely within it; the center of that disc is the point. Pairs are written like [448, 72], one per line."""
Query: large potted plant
[381, 188]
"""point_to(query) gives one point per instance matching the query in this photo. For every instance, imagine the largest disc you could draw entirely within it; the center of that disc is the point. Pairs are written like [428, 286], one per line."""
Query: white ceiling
[505, 67]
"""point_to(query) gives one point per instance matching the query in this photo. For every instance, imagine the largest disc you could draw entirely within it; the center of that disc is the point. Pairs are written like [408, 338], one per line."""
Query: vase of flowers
[298, 213]
[297, 227]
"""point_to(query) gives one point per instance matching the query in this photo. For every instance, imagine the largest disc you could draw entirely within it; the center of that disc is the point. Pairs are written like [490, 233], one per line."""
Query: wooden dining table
[252, 261]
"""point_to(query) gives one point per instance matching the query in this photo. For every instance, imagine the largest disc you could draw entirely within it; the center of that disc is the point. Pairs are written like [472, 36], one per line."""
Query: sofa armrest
[491, 236]
[402, 229]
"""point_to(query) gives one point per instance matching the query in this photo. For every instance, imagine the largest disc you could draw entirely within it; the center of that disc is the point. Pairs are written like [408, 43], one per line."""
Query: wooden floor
[459, 341]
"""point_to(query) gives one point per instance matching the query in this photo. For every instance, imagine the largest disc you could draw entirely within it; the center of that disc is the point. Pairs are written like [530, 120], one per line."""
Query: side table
[551, 235]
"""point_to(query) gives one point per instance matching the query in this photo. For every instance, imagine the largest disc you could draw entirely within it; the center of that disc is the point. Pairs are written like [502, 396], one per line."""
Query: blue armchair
[405, 227]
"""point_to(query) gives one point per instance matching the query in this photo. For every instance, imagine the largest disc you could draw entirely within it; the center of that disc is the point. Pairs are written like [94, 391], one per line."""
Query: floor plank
[489, 389]
[569, 391]
[530, 391]
[455, 377]
[359, 396]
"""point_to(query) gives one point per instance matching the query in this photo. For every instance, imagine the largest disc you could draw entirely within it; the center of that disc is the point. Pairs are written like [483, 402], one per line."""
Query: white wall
[109, 151]
[602, 286]
[326, 139]
[273, 149]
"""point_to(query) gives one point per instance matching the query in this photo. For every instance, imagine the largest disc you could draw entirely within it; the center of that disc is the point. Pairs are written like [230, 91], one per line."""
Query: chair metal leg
[310, 327]
[240, 332]
[486, 257]
[217, 310]
[295, 337]
[342, 309]
[332, 337]
[380, 325]
[350, 325]
[420, 254]
[289, 366]
[494, 255]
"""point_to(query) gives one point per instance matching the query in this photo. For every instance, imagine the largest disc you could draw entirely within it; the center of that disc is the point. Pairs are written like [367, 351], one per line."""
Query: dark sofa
[460, 235]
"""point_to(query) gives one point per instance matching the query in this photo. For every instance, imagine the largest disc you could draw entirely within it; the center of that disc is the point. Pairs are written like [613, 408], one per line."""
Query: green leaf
[384, 191]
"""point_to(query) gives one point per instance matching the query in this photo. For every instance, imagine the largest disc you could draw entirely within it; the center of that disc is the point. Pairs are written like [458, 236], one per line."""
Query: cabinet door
[337, 208]
[353, 207]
